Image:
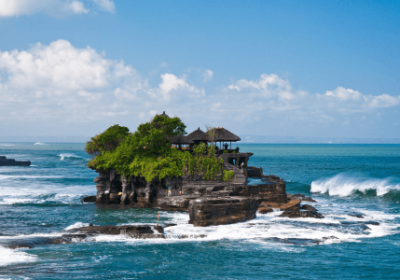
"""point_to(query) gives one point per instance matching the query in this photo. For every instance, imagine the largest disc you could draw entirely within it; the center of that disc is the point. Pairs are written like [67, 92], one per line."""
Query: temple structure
[209, 202]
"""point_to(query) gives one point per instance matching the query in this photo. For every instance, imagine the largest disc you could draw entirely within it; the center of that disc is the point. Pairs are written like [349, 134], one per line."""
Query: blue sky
[266, 68]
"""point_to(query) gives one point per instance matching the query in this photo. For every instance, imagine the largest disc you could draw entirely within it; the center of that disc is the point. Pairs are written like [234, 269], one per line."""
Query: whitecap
[40, 144]
[68, 155]
[77, 225]
[9, 256]
[344, 185]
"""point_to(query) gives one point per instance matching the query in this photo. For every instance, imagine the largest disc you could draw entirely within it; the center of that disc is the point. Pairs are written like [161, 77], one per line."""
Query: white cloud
[208, 75]
[60, 83]
[10, 8]
[106, 5]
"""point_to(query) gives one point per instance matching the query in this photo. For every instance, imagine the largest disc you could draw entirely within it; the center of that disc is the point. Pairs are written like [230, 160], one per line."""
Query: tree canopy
[147, 152]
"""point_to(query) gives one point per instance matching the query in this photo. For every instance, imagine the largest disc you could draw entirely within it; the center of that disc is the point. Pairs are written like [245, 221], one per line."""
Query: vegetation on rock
[147, 152]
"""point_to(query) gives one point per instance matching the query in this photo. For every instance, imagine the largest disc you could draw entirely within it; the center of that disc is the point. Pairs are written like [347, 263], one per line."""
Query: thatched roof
[181, 139]
[163, 114]
[197, 135]
[222, 135]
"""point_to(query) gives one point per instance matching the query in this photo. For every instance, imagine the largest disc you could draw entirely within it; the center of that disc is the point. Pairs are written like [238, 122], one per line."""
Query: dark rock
[221, 211]
[170, 225]
[265, 210]
[33, 242]
[301, 214]
[329, 237]
[309, 199]
[371, 223]
[308, 208]
[12, 162]
[140, 232]
[357, 215]
[89, 199]
[192, 236]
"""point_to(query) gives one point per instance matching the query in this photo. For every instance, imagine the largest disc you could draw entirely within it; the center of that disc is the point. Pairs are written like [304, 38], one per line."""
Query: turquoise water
[346, 180]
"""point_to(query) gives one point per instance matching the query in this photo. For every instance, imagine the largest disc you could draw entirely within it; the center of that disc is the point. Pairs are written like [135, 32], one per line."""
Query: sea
[356, 188]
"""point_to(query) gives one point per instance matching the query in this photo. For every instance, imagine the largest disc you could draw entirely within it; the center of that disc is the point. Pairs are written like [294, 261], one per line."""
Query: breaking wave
[9, 256]
[68, 155]
[40, 144]
[344, 185]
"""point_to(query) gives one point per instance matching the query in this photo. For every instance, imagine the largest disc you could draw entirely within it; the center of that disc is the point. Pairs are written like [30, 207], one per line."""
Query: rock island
[160, 166]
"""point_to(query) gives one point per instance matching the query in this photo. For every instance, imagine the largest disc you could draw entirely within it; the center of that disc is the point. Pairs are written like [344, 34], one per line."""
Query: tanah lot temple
[209, 202]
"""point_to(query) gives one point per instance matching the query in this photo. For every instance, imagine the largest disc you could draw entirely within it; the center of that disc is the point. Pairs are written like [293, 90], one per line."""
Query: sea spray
[344, 184]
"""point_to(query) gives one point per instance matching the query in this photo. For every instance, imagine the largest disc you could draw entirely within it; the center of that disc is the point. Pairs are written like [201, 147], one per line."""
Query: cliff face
[208, 202]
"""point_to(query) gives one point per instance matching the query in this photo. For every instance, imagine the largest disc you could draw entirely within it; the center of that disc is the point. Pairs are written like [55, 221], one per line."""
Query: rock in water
[139, 232]
[12, 162]
[222, 210]
[308, 208]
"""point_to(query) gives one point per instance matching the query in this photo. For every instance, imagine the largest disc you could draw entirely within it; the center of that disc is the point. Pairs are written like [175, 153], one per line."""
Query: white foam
[7, 145]
[344, 185]
[77, 225]
[40, 144]
[8, 256]
[68, 155]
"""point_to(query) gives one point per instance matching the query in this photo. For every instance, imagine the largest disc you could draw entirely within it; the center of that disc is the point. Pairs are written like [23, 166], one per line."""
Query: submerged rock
[222, 210]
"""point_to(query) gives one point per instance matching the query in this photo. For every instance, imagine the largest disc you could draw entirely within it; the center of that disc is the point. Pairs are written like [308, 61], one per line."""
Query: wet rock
[192, 236]
[329, 237]
[357, 215]
[222, 210]
[308, 208]
[292, 205]
[301, 214]
[91, 198]
[140, 232]
[33, 242]
[371, 223]
[309, 199]
[265, 210]
[170, 225]
[300, 196]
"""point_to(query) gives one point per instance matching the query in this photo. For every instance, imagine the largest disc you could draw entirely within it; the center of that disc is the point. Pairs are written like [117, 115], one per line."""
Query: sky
[303, 69]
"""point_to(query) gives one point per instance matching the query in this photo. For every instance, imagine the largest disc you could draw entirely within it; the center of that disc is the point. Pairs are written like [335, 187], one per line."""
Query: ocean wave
[7, 145]
[344, 185]
[40, 144]
[9, 256]
[68, 155]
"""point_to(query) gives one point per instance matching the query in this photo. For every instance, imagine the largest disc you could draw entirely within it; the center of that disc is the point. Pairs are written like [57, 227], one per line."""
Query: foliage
[226, 152]
[147, 152]
[228, 175]
[203, 162]
[106, 141]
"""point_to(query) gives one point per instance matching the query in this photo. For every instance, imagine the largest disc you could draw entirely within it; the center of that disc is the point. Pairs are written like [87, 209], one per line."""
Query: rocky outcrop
[138, 232]
[208, 202]
[222, 210]
[292, 209]
[12, 162]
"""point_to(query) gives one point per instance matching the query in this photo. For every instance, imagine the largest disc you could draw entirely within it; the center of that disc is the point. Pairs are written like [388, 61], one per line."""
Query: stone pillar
[125, 189]
[149, 192]
[103, 187]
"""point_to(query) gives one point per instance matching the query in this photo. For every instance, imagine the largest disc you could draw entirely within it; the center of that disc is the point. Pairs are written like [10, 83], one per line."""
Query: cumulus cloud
[78, 84]
[10, 8]
[60, 83]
